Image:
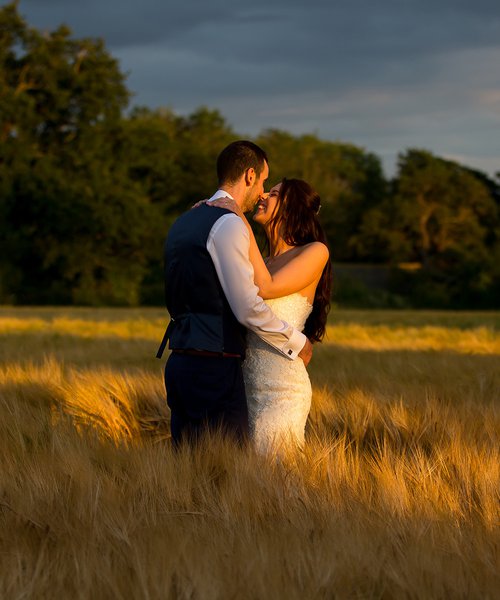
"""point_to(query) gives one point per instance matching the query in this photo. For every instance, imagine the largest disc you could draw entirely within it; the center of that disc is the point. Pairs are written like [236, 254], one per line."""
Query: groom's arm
[228, 245]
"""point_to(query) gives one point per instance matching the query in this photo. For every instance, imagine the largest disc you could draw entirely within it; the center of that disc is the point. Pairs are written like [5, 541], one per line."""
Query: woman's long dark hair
[295, 219]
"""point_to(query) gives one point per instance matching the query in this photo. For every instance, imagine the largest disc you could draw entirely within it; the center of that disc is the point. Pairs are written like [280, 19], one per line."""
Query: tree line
[89, 187]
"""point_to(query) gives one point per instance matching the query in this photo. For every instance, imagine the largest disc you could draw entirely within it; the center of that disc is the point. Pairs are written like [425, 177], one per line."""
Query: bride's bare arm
[305, 268]
[301, 271]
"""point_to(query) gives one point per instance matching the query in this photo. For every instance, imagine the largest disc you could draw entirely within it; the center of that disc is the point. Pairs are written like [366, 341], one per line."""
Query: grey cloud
[386, 24]
[385, 75]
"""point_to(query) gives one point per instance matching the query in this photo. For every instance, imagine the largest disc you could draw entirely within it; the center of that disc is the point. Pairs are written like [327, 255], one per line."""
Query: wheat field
[397, 494]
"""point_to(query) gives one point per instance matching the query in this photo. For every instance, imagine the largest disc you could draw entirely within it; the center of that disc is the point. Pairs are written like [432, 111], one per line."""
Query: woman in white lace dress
[295, 280]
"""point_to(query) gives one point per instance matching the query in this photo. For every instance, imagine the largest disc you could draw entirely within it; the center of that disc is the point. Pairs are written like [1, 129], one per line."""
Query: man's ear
[250, 176]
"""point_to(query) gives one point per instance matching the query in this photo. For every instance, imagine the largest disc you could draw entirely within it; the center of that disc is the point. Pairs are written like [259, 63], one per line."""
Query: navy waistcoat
[201, 318]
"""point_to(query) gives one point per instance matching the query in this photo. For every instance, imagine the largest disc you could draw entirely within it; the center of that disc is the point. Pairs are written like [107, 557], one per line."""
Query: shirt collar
[220, 194]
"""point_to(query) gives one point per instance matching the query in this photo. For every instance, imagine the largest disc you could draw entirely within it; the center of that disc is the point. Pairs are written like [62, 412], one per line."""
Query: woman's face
[267, 205]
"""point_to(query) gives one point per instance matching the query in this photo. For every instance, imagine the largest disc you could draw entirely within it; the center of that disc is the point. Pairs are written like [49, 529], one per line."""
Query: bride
[295, 281]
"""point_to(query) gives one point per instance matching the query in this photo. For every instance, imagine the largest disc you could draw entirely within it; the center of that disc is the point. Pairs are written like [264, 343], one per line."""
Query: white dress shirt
[228, 244]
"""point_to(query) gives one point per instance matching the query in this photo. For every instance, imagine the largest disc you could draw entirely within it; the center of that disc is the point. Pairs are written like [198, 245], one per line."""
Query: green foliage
[173, 157]
[74, 225]
[352, 292]
[349, 180]
[88, 192]
[446, 218]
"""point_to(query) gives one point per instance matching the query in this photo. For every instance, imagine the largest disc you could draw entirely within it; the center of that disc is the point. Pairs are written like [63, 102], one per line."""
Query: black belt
[164, 341]
[190, 352]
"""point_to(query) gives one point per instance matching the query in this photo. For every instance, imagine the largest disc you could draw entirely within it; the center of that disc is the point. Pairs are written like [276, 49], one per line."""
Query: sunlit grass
[478, 335]
[132, 329]
[397, 494]
[480, 340]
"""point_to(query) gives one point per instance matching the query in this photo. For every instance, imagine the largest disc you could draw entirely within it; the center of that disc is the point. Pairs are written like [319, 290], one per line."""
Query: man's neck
[235, 191]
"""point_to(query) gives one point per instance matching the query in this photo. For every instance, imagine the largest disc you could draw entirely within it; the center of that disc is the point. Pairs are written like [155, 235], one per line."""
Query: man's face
[257, 190]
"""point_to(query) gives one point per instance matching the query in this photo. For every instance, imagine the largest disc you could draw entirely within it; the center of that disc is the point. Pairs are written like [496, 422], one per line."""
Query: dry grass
[396, 495]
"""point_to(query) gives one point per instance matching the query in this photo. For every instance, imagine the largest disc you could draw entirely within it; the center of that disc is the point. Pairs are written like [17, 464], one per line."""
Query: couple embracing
[242, 327]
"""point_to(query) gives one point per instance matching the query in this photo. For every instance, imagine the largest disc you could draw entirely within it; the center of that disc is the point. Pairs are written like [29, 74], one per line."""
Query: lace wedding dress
[278, 389]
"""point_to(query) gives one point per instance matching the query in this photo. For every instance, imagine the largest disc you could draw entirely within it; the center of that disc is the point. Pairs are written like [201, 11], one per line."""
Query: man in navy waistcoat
[212, 300]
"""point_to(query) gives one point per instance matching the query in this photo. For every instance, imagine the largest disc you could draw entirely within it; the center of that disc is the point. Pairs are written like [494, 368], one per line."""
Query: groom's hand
[306, 353]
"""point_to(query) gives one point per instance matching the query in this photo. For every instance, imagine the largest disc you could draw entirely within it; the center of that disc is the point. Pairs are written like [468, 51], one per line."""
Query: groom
[212, 300]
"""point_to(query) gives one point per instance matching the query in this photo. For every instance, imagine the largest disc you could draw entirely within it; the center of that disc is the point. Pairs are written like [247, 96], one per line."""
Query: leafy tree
[87, 194]
[446, 218]
[152, 155]
[202, 136]
[173, 159]
[74, 223]
[349, 180]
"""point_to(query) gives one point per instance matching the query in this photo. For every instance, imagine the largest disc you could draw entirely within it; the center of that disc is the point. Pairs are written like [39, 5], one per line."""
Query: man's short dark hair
[237, 158]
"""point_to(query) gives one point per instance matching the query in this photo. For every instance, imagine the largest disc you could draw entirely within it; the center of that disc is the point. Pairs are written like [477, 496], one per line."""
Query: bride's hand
[306, 353]
[229, 204]
[198, 204]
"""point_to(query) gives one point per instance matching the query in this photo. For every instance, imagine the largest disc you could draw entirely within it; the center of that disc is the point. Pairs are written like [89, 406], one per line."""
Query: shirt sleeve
[228, 244]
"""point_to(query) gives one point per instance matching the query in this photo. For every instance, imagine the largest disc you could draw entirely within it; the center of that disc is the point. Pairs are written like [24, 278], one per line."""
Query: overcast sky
[383, 74]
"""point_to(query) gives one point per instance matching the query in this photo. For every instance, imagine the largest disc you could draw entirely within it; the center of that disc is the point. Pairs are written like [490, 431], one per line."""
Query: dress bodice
[278, 389]
[294, 309]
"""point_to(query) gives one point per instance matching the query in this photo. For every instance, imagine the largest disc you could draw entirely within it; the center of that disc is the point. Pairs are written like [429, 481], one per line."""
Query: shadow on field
[37, 394]
[332, 366]
[416, 318]
[403, 372]
[113, 352]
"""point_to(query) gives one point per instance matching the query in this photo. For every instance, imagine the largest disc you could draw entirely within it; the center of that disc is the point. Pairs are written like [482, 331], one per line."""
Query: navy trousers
[205, 394]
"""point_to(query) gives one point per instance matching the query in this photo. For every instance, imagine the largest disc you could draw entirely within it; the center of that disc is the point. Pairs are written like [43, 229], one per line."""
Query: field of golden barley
[397, 494]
